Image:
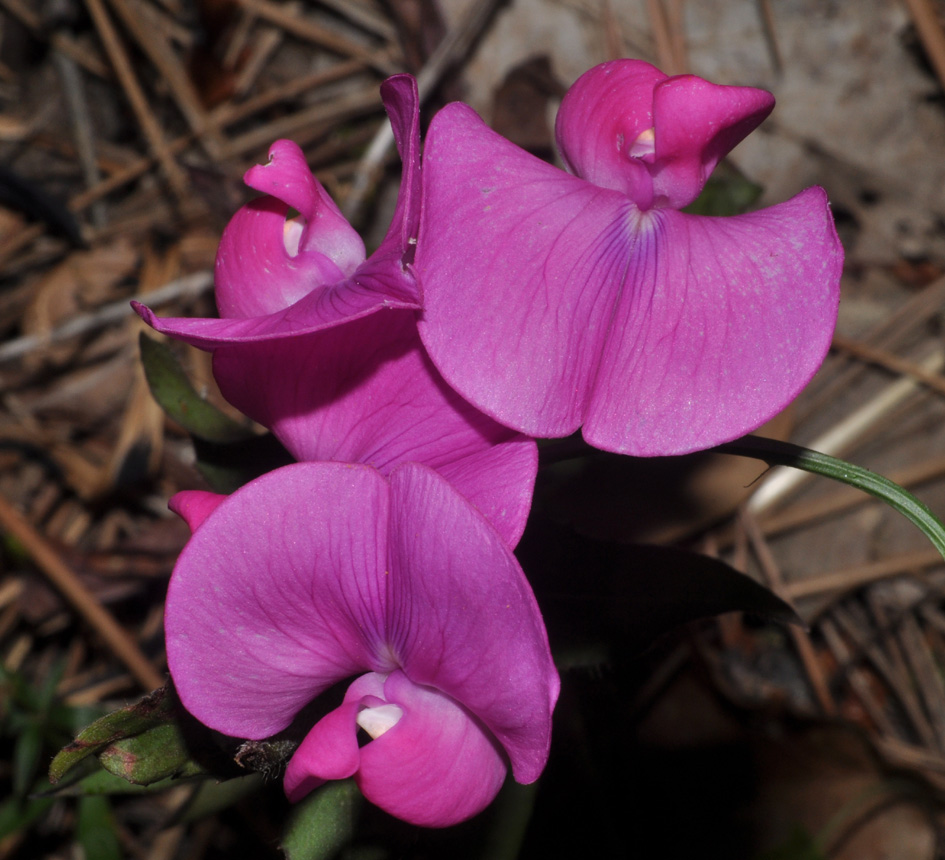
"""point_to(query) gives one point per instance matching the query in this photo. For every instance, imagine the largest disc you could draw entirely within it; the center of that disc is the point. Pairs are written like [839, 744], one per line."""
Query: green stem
[776, 453]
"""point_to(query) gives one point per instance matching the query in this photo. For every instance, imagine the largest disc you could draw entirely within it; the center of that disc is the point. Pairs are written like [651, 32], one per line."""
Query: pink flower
[321, 346]
[277, 278]
[319, 572]
[553, 301]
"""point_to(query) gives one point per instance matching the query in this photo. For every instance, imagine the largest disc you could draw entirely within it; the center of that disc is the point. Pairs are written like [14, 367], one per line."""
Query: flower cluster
[509, 300]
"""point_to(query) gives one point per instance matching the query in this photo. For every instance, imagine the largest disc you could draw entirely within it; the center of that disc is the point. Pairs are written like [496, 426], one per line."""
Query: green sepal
[153, 755]
[322, 823]
[173, 391]
[141, 743]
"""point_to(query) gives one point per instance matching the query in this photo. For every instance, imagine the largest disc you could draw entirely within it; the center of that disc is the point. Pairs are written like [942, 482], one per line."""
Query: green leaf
[727, 192]
[26, 758]
[212, 796]
[172, 389]
[155, 709]
[800, 845]
[228, 467]
[17, 813]
[79, 783]
[323, 823]
[95, 829]
[776, 453]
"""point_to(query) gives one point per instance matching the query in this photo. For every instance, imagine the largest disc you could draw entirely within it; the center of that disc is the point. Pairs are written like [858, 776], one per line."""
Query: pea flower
[553, 300]
[320, 572]
[321, 346]
[277, 278]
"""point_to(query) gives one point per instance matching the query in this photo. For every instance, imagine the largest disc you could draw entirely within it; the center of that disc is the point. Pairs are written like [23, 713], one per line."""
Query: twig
[302, 124]
[771, 38]
[267, 41]
[663, 45]
[842, 436]
[891, 362]
[306, 29]
[888, 335]
[802, 642]
[363, 17]
[857, 678]
[928, 680]
[850, 578]
[930, 34]
[126, 77]
[188, 286]
[62, 42]
[115, 636]
[82, 126]
[677, 35]
[155, 45]
[451, 48]
[897, 683]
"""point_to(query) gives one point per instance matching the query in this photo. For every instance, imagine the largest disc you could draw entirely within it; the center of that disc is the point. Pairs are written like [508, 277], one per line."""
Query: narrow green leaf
[100, 781]
[322, 823]
[95, 829]
[17, 813]
[228, 467]
[777, 453]
[26, 758]
[211, 796]
[800, 845]
[173, 391]
[727, 192]
[153, 710]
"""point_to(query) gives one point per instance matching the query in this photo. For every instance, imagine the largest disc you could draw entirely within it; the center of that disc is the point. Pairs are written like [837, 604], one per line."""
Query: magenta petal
[255, 274]
[194, 506]
[550, 302]
[462, 617]
[276, 280]
[318, 310]
[697, 124]
[330, 749]
[402, 102]
[723, 322]
[278, 595]
[600, 121]
[366, 392]
[624, 125]
[287, 178]
[521, 264]
[437, 766]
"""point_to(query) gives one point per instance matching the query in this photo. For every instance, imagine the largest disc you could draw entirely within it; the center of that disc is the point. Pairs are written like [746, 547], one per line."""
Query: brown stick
[46, 558]
[881, 357]
[156, 46]
[930, 33]
[802, 641]
[307, 29]
[126, 77]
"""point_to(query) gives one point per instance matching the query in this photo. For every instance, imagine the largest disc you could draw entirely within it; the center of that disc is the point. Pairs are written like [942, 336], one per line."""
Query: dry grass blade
[118, 640]
[187, 286]
[153, 42]
[930, 32]
[139, 103]
[863, 574]
[800, 638]
[305, 28]
[449, 51]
